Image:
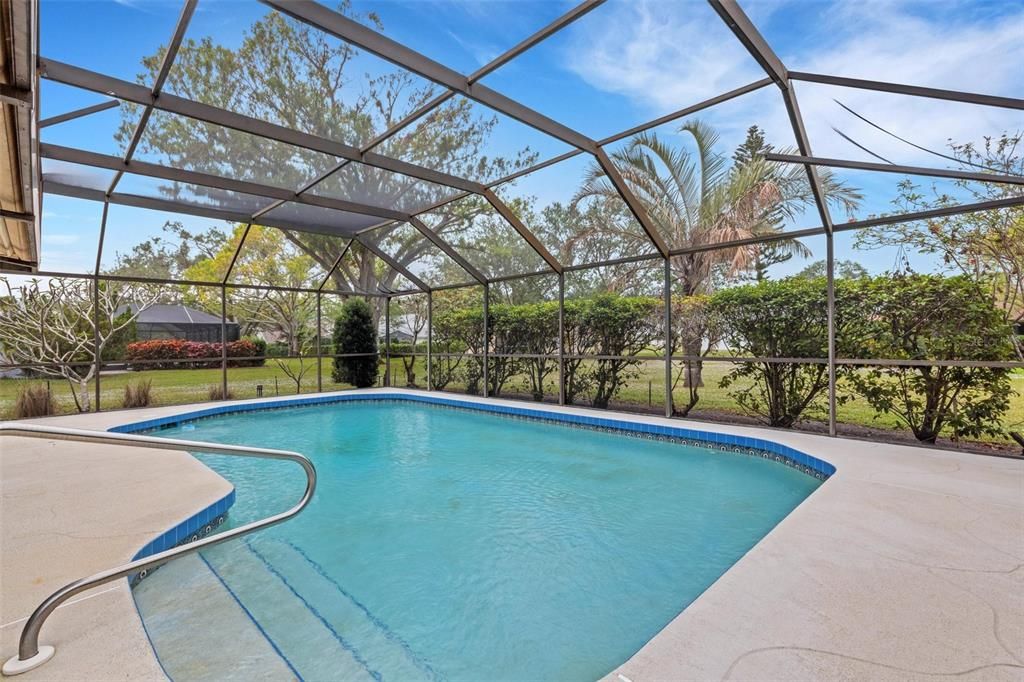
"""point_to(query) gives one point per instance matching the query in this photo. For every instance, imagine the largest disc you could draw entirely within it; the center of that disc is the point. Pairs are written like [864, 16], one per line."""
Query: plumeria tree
[60, 326]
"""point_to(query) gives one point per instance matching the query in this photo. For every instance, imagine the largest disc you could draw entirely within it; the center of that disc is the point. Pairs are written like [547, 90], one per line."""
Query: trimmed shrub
[181, 354]
[776, 319]
[926, 318]
[354, 333]
[259, 343]
[34, 400]
[137, 394]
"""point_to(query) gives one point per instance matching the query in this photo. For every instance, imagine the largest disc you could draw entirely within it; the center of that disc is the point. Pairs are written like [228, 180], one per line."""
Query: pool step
[293, 624]
[386, 651]
[200, 632]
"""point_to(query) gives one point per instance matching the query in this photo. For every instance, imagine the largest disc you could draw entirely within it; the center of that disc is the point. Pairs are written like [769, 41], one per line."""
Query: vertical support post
[487, 338]
[430, 334]
[96, 304]
[830, 266]
[96, 335]
[561, 338]
[223, 342]
[387, 342]
[319, 350]
[668, 338]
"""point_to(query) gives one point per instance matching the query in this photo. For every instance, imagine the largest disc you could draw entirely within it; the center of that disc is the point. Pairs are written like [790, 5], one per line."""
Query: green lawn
[643, 392]
[178, 386]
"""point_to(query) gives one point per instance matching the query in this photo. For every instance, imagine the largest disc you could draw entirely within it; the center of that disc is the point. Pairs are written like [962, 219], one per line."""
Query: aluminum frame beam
[512, 219]
[171, 206]
[634, 205]
[404, 271]
[333, 23]
[745, 31]
[895, 168]
[447, 249]
[171, 174]
[912, 90]
[187, 10]
[79, 113]
[138, 94]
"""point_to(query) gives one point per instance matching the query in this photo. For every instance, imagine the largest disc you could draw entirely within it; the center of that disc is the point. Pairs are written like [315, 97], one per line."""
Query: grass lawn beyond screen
[643, 391]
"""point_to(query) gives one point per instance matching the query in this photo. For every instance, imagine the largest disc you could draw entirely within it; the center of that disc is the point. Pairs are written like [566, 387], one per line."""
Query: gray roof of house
[163, 313]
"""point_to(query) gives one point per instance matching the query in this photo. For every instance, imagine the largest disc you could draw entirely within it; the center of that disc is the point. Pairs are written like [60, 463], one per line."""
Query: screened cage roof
[372, 130]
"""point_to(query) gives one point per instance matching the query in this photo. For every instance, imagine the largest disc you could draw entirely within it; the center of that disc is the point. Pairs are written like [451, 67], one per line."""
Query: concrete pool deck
[907, 564]
[68, 510]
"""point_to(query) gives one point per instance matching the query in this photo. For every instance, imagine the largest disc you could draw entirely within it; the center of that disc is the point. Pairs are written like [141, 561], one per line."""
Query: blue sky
[626, 62]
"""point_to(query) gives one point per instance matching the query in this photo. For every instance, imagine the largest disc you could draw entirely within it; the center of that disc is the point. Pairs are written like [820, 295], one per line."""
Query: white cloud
[61, 239]
[666, 58]
[659, 55]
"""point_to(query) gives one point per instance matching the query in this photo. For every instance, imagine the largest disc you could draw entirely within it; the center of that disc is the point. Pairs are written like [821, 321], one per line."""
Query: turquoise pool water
[449, 544]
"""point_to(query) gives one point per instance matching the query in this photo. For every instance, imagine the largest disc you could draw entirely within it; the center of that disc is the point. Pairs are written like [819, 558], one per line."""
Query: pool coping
[775, 608]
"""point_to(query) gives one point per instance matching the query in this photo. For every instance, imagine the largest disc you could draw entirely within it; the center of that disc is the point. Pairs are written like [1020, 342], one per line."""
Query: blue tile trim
[198, 525]
[783, 454]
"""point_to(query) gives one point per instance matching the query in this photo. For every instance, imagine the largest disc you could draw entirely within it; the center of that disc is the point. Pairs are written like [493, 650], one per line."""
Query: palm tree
[696, 200]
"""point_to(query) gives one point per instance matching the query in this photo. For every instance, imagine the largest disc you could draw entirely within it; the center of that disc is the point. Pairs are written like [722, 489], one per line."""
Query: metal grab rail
[30, 654]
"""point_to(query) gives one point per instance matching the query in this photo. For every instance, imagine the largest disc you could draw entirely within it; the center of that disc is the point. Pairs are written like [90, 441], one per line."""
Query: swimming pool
[450, 544]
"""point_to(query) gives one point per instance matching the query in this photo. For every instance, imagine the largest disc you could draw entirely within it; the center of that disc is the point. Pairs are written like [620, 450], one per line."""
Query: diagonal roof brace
[351, 31]
[512, 219]
[447, 248]
[132, 92]
[170, 54]
[153, 170]
[380, 253]
[804, 145]
[79, 113]
[903, 170]
[632, 202]
[739, 23]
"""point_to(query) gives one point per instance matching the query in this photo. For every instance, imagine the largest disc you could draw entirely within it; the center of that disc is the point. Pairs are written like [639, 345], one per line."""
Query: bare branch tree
[57, 325]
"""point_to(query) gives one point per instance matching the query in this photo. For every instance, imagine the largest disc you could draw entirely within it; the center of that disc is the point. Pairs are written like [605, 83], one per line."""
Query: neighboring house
[163, 321]
[402, 329]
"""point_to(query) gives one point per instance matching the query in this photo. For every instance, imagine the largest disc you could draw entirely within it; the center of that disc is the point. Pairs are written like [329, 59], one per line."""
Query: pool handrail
[30, 654]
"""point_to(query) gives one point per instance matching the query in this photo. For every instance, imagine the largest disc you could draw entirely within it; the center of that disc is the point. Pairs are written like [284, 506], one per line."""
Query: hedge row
[919, 318]
[179, 354]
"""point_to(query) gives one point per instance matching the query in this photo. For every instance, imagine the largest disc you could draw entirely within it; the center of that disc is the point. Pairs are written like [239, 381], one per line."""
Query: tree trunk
[84, 403]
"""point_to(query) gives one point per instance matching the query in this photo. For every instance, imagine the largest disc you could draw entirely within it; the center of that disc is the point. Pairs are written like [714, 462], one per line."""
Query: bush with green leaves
[532, 329]
[354, 332]
[607, 325]
[927, 318]
[259, 345]
[620, 327]
[776, 319]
